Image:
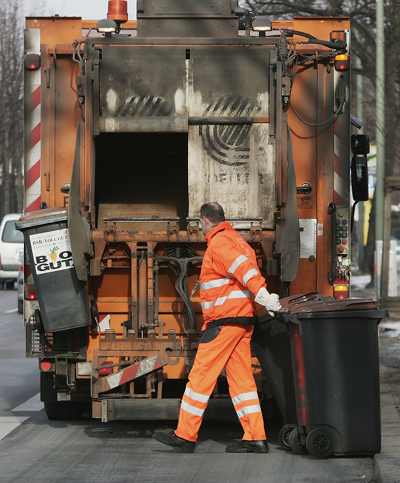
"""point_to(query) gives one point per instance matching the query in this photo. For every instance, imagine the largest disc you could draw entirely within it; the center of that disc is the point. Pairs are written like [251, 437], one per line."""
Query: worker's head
[211, 214]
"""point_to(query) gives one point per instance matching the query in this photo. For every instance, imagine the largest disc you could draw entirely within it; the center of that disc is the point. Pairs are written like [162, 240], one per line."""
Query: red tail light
[32, 62]
[106, 369]
[31, 295]
[29, 288]
[46, 365]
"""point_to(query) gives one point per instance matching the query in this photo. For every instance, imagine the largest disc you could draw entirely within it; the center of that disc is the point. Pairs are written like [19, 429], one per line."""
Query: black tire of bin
[319, 443]
[65, 410]
[284, 434]
[295, 443]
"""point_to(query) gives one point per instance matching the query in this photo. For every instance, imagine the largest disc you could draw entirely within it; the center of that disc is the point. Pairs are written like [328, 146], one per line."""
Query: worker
[230, 281]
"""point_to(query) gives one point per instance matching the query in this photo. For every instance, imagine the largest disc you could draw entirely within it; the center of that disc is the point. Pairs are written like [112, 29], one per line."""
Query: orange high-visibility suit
[229, 279]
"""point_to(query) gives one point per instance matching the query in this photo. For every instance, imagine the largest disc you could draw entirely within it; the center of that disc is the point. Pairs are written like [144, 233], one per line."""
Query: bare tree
[11, 107]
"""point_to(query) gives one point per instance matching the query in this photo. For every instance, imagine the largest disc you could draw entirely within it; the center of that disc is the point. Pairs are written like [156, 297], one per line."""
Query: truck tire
[20, 306]
[65, 410]
[61, 410]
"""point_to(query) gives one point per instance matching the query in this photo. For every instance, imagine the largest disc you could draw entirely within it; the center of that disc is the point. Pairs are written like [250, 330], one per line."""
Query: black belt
[243, 321]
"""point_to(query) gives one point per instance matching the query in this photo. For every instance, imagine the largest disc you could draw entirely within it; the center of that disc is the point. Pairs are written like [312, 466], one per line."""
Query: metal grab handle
[332, 213]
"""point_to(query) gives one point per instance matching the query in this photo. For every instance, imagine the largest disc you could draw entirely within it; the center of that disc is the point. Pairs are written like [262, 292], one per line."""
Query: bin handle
[306, 297]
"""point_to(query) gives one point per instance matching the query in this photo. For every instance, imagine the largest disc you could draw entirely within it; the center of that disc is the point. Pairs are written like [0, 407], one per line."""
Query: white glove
[269, 300]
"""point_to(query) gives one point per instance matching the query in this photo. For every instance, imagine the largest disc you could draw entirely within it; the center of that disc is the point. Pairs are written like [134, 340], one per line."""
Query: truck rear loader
[130, 127]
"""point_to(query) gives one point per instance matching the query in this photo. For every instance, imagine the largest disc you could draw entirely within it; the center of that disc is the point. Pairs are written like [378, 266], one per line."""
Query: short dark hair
[213, 211]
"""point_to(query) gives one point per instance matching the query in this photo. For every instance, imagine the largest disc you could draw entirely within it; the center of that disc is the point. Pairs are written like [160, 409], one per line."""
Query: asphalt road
[32, 449]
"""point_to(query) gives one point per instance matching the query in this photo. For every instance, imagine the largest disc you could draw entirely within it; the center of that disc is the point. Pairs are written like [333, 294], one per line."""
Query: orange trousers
[230, 348]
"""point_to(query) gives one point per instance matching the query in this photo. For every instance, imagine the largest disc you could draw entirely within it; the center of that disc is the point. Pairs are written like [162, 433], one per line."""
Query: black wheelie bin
[62, 297]
[334, 364]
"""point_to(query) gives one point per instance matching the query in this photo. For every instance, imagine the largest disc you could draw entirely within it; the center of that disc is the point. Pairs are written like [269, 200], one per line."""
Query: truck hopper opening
[140, 177]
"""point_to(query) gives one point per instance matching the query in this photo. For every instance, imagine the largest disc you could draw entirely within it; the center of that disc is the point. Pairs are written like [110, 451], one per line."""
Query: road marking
[31, 405]
[12, 311]
[9, 423]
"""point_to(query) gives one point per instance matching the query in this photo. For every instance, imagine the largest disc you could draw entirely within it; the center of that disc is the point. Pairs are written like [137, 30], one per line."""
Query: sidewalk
[386, 463]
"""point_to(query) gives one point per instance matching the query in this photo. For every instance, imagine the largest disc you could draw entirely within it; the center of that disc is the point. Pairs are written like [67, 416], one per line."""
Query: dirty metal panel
[188, 7]
[142, 89]
[234, 163]
[188, 27]
[237, 74]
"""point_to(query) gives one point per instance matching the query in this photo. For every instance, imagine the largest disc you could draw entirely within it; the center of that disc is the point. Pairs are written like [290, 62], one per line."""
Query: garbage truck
[130, 126]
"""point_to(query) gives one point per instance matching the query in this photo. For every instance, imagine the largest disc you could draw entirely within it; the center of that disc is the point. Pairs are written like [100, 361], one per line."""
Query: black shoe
[171, 439]
[244, 446]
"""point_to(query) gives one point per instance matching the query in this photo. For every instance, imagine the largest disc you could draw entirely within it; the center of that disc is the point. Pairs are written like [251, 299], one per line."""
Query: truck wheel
[295, 441]
[65, 410]
[20, 306]
[284, 435]
[319, 443]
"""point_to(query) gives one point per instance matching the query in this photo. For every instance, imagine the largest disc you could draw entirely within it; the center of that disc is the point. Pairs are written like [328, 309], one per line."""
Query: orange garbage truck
[130, 127]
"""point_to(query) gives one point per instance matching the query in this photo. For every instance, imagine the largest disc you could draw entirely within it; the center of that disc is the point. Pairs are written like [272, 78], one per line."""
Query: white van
[11, 249]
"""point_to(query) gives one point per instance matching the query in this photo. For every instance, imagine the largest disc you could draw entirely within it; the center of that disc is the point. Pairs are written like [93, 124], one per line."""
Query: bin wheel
[319, 443]
[65, 411]
[295, 441]
[284, 434]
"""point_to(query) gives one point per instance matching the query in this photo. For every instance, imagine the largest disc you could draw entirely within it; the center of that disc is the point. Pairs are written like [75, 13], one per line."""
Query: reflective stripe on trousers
[248, 410]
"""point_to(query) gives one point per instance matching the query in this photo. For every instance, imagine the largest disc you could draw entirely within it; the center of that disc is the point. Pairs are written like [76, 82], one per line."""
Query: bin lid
[42, 217]
[314, 305]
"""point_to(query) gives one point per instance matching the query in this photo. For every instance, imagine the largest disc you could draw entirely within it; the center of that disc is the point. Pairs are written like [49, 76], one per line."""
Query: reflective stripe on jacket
[230, 277]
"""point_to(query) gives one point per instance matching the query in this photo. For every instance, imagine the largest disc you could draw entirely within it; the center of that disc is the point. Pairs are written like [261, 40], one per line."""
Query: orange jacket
[230, 277]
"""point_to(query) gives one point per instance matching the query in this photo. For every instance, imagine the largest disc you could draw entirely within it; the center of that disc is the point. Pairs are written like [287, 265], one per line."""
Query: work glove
[268, 300]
